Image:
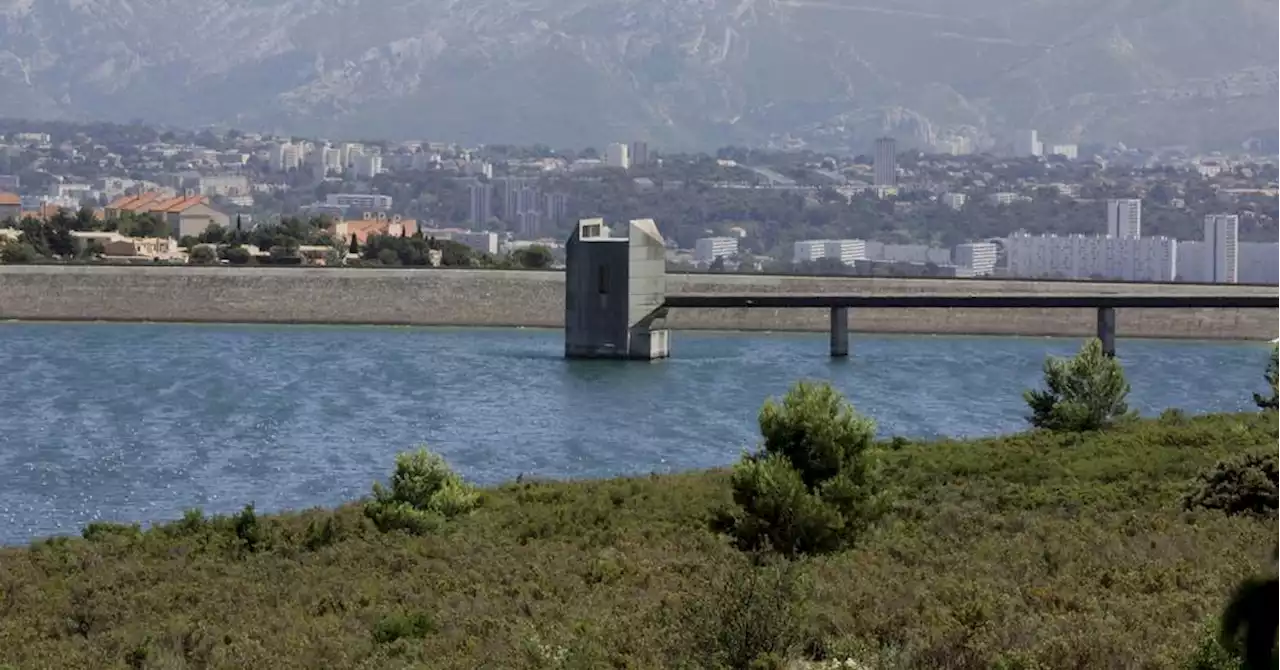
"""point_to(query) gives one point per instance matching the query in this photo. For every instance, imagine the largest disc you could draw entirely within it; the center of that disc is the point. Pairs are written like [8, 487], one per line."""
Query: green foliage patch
[1035, 550]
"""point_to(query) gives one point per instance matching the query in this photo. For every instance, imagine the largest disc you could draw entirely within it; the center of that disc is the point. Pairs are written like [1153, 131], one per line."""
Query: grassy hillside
[1029, 551]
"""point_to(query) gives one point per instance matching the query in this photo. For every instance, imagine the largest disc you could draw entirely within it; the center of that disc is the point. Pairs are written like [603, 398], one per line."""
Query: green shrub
[750, 614]
[424, 492]
[806, 491]
[1085, 392]
[104, 530]
[403, 626]
[1273, 379]
[1242, 485]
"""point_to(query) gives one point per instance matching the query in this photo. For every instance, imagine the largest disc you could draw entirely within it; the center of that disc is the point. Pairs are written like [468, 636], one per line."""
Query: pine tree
[1273, 379]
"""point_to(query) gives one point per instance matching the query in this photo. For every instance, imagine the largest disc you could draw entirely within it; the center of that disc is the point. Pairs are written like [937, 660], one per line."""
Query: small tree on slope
[1085, 392]
[806, 490]
[1273, 377]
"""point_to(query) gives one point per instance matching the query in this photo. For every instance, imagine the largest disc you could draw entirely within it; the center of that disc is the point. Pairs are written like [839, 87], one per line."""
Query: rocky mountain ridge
[679, 73]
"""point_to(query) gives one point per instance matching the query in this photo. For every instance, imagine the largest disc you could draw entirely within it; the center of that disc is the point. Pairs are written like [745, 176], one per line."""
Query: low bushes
[423, 493]
[1085, 392]
[806, 490]
[1242, 485]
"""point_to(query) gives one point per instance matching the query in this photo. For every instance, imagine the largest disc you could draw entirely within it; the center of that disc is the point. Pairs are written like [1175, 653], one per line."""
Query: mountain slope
[681, 73]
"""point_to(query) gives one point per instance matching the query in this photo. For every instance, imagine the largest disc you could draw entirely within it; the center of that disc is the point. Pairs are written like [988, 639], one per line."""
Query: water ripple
[136, 422]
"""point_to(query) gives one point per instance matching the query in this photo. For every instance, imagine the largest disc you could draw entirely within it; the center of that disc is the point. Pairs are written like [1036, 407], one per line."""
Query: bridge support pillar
[839, 332]
[1107, 329]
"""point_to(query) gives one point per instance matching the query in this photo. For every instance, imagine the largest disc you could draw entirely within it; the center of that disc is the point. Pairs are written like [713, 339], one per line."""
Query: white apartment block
[616, 155]
[1092, 257]
[1068, 151]
[908, 253]
[358, 200]
[1256, 262]
[367, 166]
[953, 200]
[980, 257]
[707, 249]
[1124, 217]
[846, 251]
[1002, 198]
[1222, 243]
[1027, 143]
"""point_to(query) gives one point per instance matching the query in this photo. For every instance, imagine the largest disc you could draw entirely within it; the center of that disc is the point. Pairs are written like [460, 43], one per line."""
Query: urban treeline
[696, 195]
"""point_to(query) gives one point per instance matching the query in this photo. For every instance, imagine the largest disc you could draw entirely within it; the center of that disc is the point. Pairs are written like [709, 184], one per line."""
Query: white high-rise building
[616, 155]
[1151, 259]
[979, 256]
[886, 162]
[846, 251]
[953, 200]
[1124, 217]
[707, 249]
[1027, 143]
[1221, 240]
[368, 166]
[481, 203]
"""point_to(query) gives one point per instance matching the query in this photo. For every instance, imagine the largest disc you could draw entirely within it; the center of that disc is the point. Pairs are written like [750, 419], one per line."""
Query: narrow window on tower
[603, 279]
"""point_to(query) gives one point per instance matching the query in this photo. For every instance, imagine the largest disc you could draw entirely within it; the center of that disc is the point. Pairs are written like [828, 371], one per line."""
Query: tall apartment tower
[886, 162]
[616, 155]
[1027, 143]
[1124, 218]
[639, 152]
[1221, 242]
[481, 203]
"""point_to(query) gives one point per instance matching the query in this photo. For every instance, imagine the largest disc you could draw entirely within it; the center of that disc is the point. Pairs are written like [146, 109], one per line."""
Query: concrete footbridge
[616, 302]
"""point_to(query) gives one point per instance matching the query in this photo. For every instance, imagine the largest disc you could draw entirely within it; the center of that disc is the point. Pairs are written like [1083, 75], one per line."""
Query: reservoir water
[137, 422]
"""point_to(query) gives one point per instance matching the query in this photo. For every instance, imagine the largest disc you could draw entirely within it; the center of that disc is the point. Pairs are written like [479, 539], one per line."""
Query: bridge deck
[1149, 301]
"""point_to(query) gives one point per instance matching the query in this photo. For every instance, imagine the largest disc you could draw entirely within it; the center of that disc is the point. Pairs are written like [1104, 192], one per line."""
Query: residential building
[373, 224]
[10, 207]
[980, 257]
[616, 155]
[1221, 238]
[185, 215]
[285, 156]
[1068, 151]
[483, 241]
[1001, 198]
[1124, 217]
[365, 201]
[555, 209]
[886, 162]
[225, 185]
[1027, 143]
[481, 203]
[367, 166]
[708, 249]
[1148, 259]
[953, 200]
[908, 253]
[846, 251]
[639, 153]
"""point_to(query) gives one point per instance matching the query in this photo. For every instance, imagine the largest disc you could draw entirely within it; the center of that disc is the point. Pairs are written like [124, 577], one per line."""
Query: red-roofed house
[186, 215]
[10, 207]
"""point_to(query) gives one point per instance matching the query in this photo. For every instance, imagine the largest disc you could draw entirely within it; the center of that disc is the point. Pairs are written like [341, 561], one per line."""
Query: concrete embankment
[536, 299]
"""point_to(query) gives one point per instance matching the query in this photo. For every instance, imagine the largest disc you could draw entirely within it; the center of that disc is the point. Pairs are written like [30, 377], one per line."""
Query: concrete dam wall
[536, 299]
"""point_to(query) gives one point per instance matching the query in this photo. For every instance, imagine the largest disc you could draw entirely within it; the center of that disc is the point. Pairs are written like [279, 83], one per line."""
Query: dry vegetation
[1037, 550]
